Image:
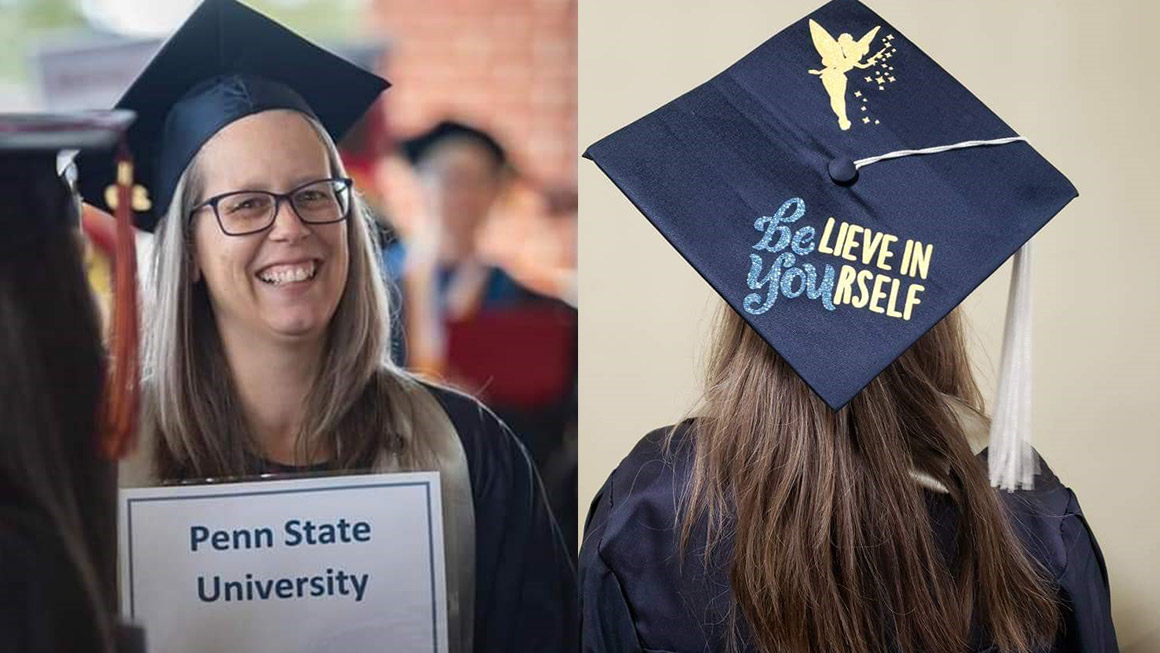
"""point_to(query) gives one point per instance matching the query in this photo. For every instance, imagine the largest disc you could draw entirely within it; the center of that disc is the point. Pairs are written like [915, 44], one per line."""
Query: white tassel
[1011, 459]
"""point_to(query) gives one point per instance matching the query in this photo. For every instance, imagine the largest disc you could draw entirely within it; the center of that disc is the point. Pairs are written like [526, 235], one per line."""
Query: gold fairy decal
[840, 56]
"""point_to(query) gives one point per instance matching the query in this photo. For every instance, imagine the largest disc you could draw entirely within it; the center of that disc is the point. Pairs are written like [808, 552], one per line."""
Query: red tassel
[122, 388]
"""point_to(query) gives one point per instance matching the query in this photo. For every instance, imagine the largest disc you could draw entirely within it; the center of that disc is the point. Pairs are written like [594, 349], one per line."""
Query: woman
[828, 497]
[265, 347]
[265, 354]
[771, 523]
[57, 485]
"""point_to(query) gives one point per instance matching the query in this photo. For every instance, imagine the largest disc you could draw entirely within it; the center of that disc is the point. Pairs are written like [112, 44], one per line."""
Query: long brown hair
[832, 543]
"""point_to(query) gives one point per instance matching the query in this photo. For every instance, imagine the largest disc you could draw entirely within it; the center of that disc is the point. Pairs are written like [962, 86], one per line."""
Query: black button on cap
[842, 170]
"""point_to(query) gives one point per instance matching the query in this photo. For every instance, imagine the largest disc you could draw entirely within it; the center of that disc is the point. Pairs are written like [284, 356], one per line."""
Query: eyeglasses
[245, 212]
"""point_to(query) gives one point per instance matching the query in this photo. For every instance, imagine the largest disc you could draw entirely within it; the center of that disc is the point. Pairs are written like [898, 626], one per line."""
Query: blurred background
[468, 161]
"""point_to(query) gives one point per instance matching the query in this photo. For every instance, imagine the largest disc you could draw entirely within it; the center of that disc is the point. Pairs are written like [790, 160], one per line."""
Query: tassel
[1011, 459]
[122, 387]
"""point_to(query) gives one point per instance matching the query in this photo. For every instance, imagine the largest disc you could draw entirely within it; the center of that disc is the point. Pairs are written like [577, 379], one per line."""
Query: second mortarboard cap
[39, 203]
[38, 200]
[224, 63]
[842, 192]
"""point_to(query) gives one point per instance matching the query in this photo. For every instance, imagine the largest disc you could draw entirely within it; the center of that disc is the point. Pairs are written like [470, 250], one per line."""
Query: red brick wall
[508, 66]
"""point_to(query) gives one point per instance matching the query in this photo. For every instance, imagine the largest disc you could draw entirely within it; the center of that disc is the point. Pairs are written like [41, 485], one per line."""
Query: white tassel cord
[1011, 460]
[860, 163]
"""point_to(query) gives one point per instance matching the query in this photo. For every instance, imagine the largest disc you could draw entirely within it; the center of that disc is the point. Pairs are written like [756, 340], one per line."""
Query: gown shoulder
[1052, 527]
[637, 594]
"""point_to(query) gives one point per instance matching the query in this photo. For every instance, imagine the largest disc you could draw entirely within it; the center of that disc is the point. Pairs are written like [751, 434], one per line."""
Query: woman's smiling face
[283, 283]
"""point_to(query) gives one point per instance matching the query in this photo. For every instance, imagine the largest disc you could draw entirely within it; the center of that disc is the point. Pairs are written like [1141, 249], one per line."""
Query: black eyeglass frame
[278, 198]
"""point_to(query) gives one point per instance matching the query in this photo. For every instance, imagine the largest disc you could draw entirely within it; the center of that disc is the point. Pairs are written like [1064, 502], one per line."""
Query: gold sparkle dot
[881, 88]
[857, 93]
[863, 108]
[867, 79]
[879, 80]
[875, 122]
[866, 120]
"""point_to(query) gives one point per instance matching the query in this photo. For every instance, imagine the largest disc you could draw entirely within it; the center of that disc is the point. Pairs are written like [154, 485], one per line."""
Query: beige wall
[1080, 80]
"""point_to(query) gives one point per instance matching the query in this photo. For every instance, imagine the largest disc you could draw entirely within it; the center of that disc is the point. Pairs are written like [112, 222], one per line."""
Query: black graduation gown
[637, 596]
[525, 585]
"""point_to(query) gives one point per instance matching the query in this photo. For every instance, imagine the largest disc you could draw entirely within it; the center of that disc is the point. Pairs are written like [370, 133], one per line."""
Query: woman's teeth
[278, 275]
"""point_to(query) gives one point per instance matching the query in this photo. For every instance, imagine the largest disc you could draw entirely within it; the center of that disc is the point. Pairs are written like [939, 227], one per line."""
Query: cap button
[842, 170]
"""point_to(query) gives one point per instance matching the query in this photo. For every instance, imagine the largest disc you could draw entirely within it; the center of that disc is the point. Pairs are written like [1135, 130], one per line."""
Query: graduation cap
[38, 197]
[39, 202]
[418, 147]
[843, 193]
[224, 63]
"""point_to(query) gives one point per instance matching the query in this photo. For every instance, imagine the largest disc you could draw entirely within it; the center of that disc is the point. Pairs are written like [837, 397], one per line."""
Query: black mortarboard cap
[39, 202]
[37, 199]
[769, 179]
[224, 63]
[416, 148]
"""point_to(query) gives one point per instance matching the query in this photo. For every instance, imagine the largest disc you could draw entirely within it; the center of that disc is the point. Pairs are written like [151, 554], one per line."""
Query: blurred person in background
[478, 311]
[462, 172]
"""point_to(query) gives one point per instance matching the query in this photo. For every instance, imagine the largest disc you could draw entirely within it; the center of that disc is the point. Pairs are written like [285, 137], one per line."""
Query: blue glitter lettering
[824, 291]
[782, 278]
[772, 279]
[787, 288]
[770, 227]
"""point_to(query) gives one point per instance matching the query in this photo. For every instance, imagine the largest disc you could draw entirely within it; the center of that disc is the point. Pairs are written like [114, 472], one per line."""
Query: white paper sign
[350, 563]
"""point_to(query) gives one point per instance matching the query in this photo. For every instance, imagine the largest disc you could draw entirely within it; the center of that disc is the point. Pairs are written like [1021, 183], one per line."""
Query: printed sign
[349, 563]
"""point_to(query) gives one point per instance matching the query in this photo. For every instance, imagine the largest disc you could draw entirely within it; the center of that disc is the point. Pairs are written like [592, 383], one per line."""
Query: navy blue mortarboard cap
[224, 63]
[839, 189]
[38, 199]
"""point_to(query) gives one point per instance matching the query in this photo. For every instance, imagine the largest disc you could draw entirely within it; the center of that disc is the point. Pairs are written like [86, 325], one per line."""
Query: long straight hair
[51, 376]
[833, 549]
[191, 406]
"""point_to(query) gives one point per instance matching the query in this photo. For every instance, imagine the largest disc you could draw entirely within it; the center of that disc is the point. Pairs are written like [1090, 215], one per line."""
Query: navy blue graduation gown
[636, 596]
[525, 584]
